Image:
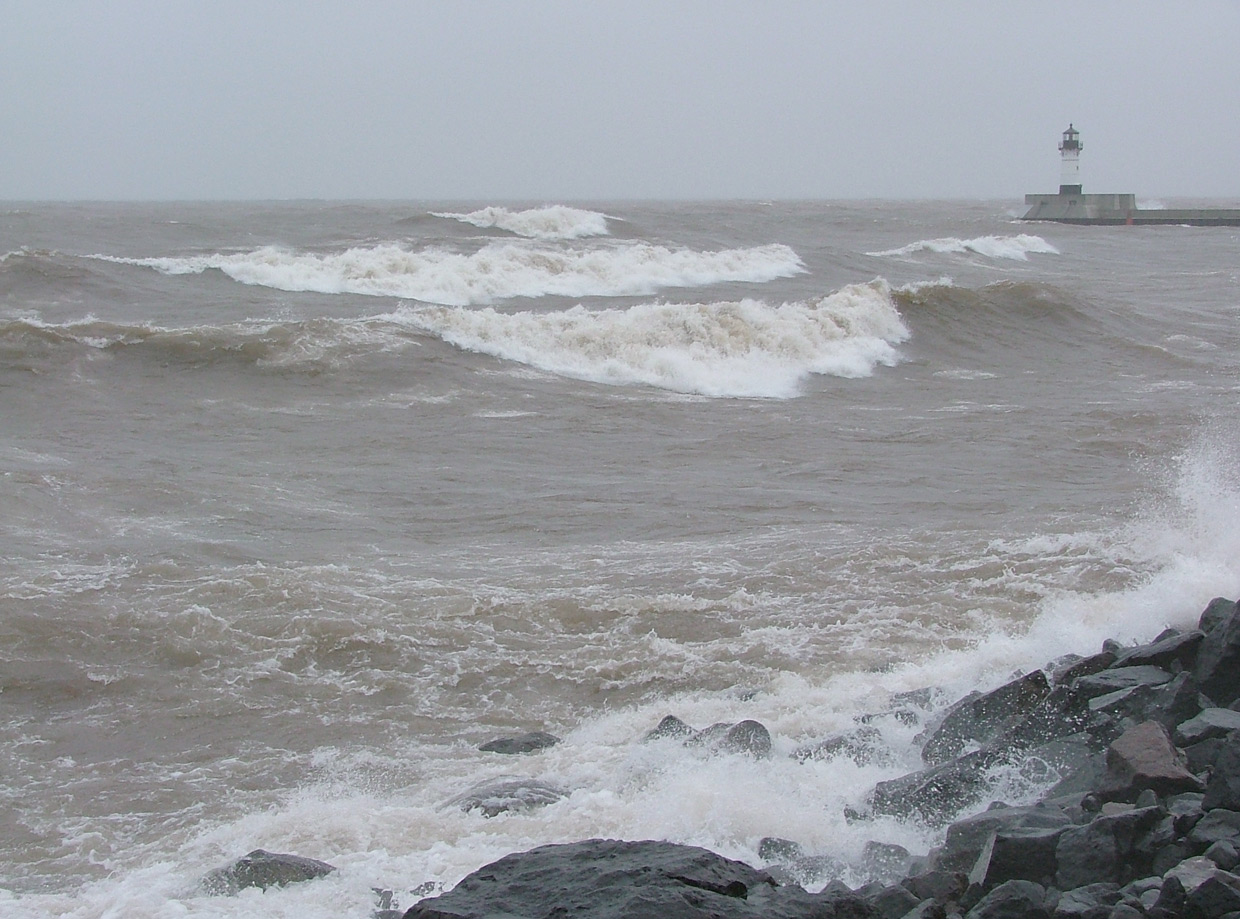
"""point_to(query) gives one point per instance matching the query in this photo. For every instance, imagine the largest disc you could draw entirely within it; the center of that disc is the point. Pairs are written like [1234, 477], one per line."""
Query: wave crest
[1017, 248]
[498, 271]
[552, 222]
[739, 349]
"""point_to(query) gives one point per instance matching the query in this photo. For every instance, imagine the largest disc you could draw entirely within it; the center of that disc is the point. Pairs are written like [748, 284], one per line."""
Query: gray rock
[884, 861]
[775, 849]
[1144, 757]
[670, 726]
[747, 737]
[979, 718]
[1081, 666]
[1105, 849]
[894, 901]
[1217, 611]
[1218, 824]
[524, 743]
[939, 793]
[264, 869]
[1020, 853]
[1223, 789]
[966, 838]
[610, 879]
[1175, 652]
[1115, 679]
[1224, 854]
[1213, 898]
[940, 886]
[1012, 900]
[1218, 661]
[863, 745]
[1090, 899]
[1209, 724]
[507, 793]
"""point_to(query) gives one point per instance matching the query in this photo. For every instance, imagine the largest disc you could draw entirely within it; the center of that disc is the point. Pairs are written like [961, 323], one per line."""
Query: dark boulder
[979, 718]
[1175, 652]
[938, 793]
[1223, 788]
[775, 849]
[611, 879]
[507, 793]
[1217, 611]
[1144, 757]
[885, 861]
[1105, 849]
[1218, 825]
[1087, 901]
[1214, 898]
[748, 737]
[264, 869]
[1018, 854]
[966, 838]
[1207, 725]
[670, 727]
[863, 745]
[524, 743]
[1218, 661]
[1071, 670]
[1116, 679]
[1012, 900]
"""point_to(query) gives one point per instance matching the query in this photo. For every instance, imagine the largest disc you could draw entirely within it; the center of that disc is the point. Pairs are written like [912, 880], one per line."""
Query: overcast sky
[577, 99]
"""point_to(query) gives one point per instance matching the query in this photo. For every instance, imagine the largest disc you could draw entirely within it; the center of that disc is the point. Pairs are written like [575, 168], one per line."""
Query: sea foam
[1007, 247]
[552, 222]
[741, 349]
[498, 271]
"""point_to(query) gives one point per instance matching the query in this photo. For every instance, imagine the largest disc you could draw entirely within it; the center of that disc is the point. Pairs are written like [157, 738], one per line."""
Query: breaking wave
[738, 349]
[498, 271]
[1017, 248]
[553, 222]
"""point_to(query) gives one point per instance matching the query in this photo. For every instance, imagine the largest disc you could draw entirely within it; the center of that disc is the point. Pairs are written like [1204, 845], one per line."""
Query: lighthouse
[1070, 173]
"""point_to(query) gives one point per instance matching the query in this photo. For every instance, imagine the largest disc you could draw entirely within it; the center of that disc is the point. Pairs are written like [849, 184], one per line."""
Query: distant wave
[496, 272]
[553, 222]
[1009, 247]
[740, 349]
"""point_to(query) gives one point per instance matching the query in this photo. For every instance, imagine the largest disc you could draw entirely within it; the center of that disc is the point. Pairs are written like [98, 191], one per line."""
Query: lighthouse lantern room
[1070, 174]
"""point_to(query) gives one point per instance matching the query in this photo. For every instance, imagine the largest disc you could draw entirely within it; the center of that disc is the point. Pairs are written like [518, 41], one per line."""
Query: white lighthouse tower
[1070, 173]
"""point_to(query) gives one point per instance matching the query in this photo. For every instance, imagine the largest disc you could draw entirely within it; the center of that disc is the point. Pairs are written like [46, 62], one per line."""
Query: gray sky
[593, 99]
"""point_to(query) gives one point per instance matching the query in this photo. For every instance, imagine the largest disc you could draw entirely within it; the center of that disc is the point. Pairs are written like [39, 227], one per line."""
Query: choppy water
[299, 503]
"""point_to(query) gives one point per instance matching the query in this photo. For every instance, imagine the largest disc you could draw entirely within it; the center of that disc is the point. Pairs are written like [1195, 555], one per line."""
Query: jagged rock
[884, 861]
[1207, 725]
[1215, 897]
[1018, 854]
[774, 849]
[1104, 849]
[894, 901]
[524, 743]
[1145, 758]
[1081, 666]
[264, 869]
[670, 726]
[1224, 854]
[809, 870]
[1217, 611]
[1218, 824]
[1177, 651]
[938, 793]
[636, 880]
[1116, 679]
[938, 885]
[863, 745]
[507, 793]
[966, 838]
[1223, 789]
[1168, 703]
[1086, 901]
[1218, 661]
[748, 737]
[979, 718]
[1012, 900]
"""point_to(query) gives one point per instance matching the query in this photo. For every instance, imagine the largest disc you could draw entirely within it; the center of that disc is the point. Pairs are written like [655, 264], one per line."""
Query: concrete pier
[1120, 210]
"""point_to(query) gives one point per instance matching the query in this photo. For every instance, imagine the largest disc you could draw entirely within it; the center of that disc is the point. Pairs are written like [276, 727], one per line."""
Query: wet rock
[979, 718]
[1209, 724]
[524, 743]
[1019, 853]
[672, 727]
[507, 794]
[1175, 652]
[1088, 900]
[1218, 661]
[264, 869]
[1224, 854]
[1213, 898]
[894, 901]
[1069, 671]
[1145, 758]
[640, 880]
[966, 838]
[863, 745]
[884, 861]
[1217, 611]
[939, 793]
[775, 849]
[748, 737]
[1116, 679]
[939, 886]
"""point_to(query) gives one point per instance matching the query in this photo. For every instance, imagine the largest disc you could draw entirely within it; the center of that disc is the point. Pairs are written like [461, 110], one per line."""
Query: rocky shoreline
[1142, 745]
